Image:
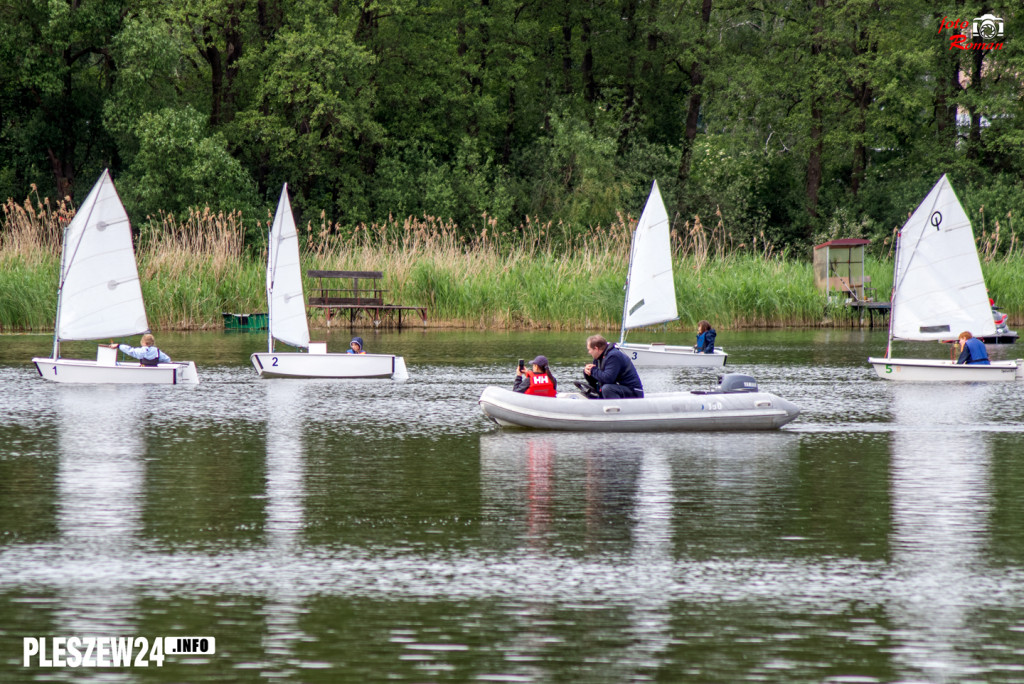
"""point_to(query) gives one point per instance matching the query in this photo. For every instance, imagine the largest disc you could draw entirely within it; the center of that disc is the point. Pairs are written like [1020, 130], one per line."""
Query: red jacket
[540, 384]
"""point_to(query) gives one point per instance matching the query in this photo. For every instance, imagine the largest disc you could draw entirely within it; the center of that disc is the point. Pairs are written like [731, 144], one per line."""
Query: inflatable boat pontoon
[736, 404]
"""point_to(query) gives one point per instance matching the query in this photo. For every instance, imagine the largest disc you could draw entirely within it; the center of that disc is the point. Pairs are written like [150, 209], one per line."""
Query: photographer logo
[986, 33]
[988, 26]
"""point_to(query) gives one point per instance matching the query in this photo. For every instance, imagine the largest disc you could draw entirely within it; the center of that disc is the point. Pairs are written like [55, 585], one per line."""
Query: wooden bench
[358, 293]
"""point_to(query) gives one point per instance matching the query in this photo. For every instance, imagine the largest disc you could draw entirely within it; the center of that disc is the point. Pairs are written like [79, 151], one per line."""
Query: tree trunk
[212, 55]
[586, 36]
[62, 160]
[567, 53]
[974, 135]
[862, 95]
[693, 105]
[814, 165]
[233, 48]
[629, 83]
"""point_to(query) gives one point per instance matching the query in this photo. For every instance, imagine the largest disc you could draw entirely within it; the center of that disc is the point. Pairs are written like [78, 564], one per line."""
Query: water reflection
[543, 481]
[941, 502]
[100, 483]
[101, 472]
[285, 463]
[649, 620]
[363, 528]
[285, 402]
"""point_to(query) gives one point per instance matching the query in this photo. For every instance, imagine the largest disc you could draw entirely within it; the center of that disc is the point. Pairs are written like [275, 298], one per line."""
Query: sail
[939, 289]
[284, 279]
[100, 295]
[650, 290]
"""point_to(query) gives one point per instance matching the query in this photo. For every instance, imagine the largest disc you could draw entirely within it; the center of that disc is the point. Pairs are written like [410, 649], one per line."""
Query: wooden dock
[357, 294]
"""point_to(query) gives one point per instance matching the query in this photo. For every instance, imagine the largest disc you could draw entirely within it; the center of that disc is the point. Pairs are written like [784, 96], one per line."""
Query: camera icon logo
[988, 26]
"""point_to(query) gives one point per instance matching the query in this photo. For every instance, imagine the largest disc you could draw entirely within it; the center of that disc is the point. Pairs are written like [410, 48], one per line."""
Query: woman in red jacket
[538, 382]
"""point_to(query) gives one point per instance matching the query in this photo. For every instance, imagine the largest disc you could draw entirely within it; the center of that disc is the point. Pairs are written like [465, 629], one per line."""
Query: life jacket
[155, 361]
[978, 353]
[540, 384]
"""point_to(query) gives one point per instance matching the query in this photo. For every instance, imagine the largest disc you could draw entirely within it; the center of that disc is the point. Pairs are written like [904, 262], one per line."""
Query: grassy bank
[195, 268]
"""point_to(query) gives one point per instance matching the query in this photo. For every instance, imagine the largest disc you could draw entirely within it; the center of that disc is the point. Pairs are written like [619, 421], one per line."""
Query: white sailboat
[651, 292]
[938, 291]
[99, 296]
[287, 308]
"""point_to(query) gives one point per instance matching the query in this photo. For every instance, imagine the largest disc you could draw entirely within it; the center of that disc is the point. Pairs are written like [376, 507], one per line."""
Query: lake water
[376, 531]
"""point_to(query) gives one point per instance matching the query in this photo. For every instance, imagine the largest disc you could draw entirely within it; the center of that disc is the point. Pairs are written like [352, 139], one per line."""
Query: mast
[892, 294]
[271, 262]
[629, 275]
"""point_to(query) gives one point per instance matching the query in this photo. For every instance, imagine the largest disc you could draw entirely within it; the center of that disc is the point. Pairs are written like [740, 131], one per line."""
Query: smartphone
[522, 364]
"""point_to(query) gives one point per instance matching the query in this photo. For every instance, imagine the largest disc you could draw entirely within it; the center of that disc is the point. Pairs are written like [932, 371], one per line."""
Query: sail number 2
[275, 361]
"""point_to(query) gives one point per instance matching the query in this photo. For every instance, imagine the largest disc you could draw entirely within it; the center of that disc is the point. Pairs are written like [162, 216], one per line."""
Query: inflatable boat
[736, 404]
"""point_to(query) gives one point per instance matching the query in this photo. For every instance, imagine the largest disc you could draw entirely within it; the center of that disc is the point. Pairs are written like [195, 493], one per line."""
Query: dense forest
[788, 120]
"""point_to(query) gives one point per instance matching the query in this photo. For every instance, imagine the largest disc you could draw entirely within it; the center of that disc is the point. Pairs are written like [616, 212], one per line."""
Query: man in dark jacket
[612, 373]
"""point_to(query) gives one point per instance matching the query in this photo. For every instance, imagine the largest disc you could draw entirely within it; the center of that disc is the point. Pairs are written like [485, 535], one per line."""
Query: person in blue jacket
[148, 354]
[705, 338]
[355, 346]
[972, 350]
[612, 374]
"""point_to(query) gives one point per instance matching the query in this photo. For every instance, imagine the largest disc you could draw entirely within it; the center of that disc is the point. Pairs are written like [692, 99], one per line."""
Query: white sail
[650, 290]
[100, 295]
[284, 279]
[939, 290]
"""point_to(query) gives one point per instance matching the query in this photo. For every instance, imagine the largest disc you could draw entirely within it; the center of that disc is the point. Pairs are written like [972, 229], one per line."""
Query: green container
[245, 322]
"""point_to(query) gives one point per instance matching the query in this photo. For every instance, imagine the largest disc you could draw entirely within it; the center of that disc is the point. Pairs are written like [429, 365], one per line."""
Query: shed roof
[844, 242]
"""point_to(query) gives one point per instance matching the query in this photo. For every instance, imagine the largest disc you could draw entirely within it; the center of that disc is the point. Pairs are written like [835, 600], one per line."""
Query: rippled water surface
[376, 531]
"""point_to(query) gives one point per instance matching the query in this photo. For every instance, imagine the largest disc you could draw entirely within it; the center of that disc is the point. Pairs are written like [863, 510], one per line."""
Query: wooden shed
[839, 269]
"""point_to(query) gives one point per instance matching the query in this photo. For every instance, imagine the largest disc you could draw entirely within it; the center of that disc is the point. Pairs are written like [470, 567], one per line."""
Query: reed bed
[536, 275]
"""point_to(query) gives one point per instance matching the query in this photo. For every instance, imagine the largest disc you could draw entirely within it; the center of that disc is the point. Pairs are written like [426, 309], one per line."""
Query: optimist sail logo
[988, 29]
[109, 651]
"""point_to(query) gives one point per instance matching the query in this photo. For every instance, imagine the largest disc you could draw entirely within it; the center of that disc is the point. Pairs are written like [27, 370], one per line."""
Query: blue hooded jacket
[706, 342]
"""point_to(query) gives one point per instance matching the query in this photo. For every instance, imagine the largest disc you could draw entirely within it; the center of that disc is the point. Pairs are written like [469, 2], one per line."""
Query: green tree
[56, 73]
[180, 164]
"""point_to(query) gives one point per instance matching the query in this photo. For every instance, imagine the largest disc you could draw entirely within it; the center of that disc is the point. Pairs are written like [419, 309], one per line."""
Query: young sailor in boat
[537, 382]
[612, 373]
[355, 346]
[705, 338]
[148, 354]
[973, 350]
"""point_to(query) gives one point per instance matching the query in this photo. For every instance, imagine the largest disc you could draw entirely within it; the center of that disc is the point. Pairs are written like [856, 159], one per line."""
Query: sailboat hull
[82, 371]
[929, 370]
[671, 356]
[337, 366]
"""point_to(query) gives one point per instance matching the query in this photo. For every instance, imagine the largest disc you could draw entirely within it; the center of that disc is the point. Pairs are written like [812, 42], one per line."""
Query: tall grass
[536, 275]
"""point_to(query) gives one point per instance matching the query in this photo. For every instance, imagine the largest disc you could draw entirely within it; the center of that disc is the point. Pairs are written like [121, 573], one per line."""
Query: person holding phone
[539, 381]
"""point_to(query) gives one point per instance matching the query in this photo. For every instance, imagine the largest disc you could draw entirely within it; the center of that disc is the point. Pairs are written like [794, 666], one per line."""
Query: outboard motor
[736, 382]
